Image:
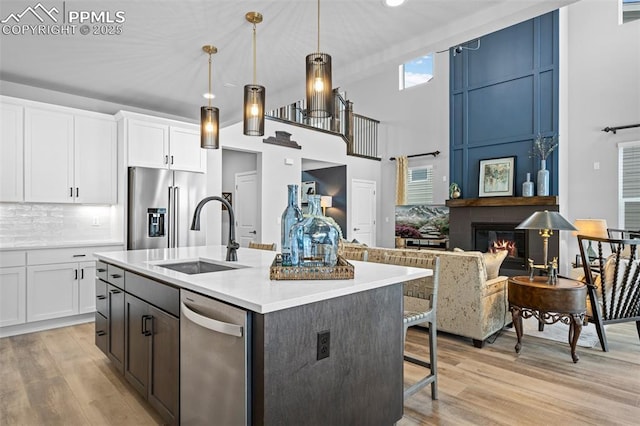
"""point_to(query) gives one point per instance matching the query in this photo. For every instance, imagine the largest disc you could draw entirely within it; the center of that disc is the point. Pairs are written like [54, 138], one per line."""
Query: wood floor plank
[60, 377]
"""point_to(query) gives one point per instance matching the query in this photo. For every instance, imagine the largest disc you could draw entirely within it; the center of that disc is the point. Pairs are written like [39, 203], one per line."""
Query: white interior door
[246, 208]
[363, 211]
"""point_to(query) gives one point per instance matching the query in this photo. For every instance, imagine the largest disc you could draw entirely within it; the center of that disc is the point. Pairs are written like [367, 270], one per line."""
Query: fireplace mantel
[503, 201]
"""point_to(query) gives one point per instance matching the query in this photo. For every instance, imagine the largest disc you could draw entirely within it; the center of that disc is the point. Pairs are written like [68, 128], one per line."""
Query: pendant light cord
[254, 55]
[318, 26]
[210, 93]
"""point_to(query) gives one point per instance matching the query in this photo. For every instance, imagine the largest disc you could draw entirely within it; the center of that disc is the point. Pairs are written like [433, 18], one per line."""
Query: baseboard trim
[32, 327]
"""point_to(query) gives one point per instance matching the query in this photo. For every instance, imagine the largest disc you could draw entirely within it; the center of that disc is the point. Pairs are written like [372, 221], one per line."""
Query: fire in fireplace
[502, 236]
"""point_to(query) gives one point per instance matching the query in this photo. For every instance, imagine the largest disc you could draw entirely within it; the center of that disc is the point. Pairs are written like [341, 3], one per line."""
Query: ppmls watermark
[58, 20]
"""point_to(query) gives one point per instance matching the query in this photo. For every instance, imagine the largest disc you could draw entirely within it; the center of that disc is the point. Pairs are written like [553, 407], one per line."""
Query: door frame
[258, 223]
[352, 208]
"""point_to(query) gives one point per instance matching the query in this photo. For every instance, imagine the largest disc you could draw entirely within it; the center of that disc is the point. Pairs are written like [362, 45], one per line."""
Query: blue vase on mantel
[543, 179]
[291, 215]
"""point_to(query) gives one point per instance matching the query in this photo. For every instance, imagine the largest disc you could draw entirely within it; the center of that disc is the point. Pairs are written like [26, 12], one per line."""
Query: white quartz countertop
[249, 286]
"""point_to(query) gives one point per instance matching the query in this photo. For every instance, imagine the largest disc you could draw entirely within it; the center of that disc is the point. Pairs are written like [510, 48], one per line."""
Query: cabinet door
[11, 152]
[138, 331]
[184, 150]
[95, 164]
[86, 287]
[13, 290]
[165, 363]
[148, 144]
[52, 291]
[48, 156]
[116, 331]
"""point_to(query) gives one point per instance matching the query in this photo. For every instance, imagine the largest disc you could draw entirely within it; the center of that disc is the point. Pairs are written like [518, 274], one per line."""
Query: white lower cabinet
[87, 287]
[13, 290]
[52, 291]
[48, 285]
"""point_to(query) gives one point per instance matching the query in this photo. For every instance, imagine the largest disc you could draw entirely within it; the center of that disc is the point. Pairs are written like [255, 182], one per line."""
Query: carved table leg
[575, 328]
[517, 323]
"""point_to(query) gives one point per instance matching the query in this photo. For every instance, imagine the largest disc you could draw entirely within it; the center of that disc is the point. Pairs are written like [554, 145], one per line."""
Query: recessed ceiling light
[393, 3]
[208, 96]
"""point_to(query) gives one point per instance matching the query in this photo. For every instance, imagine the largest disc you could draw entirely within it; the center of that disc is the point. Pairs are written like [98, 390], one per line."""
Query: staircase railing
[359, 132]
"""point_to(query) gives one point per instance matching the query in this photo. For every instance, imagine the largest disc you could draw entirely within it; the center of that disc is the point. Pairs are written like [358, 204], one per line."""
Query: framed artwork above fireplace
[496, 177]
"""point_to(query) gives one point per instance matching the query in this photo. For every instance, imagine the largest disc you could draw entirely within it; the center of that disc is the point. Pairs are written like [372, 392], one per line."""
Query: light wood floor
[59, 377]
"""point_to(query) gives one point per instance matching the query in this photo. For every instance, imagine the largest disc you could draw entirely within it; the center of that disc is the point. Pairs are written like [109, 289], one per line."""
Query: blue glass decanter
[314, 241]
[291, 215]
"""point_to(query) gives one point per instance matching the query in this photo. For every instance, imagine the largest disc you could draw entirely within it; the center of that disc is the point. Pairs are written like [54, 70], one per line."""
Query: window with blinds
[420, 185]
[629, 174]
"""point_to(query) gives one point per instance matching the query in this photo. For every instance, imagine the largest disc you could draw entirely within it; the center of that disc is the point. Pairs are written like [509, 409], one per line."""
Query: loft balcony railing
[359, 132]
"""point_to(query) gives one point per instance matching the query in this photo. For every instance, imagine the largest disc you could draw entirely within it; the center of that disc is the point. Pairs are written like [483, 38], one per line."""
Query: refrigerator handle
[169, 223]
[176, 216]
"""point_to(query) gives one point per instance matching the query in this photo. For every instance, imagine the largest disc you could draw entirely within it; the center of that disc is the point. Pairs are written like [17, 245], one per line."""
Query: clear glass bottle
[291, 215]
[314, 241]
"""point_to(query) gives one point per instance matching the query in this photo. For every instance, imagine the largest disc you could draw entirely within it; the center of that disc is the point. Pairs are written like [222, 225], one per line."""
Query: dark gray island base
[359, 383]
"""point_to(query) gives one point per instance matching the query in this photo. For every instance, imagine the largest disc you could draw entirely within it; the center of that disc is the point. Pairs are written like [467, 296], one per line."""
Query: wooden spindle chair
[613, 282]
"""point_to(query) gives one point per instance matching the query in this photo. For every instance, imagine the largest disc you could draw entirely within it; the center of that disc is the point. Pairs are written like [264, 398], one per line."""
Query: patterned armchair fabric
[469, 305]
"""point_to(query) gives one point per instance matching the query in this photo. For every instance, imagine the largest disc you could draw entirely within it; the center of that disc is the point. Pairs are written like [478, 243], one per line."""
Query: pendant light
[319, 87]
[209, 115]
[254, 94]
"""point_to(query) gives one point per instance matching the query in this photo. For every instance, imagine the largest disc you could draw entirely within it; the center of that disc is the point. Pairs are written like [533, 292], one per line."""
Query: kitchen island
[317, 352]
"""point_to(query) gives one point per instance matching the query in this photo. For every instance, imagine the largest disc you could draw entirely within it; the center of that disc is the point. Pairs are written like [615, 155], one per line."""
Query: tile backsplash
[28, 224]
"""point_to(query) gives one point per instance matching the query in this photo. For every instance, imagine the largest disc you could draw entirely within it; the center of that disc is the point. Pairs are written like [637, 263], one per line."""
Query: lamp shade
[326, 201]
[209, 127]
[319, 85]
[546, 220]
[591, 227]
[254, 96]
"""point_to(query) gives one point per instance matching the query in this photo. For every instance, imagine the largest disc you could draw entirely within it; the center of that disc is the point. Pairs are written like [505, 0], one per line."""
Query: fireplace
[497, 212]
[491, 236]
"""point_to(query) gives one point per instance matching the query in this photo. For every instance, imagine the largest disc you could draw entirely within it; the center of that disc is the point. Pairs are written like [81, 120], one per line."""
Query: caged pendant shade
[319, 86]
[209, 115]
[254, 94]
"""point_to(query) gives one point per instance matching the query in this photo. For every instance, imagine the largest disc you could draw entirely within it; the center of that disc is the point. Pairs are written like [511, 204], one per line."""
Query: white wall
[275, 175]
[602, 83]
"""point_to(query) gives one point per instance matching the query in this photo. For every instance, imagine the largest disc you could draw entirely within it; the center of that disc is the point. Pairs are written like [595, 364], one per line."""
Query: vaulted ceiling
[157, 62]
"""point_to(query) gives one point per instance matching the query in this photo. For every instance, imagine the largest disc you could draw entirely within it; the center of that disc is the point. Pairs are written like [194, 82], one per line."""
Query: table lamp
[325, 201]
[591, 228]
[545, 222]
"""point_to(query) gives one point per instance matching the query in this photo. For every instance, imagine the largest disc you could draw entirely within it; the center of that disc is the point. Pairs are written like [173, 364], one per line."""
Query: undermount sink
[196, 267]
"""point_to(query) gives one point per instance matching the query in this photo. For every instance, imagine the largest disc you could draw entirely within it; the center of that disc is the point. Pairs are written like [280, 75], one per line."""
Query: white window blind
[420, 185]
[629, 173]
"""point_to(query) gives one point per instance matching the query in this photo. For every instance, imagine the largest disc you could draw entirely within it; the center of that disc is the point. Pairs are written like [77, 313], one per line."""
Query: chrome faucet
[232, 245]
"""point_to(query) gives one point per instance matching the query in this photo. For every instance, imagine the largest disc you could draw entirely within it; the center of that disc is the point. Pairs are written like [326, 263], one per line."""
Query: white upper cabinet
[70, 156]
[11, 152]
[48, 154]
[148, 144]
[186, 153]
[162, 144]
[95, 161]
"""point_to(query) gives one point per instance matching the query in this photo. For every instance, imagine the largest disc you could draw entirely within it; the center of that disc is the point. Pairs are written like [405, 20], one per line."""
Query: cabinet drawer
[101, 270]
[101, 297]
[102, 332]
[9, 259]
[161, 295]
[63, 255]
[115, 276]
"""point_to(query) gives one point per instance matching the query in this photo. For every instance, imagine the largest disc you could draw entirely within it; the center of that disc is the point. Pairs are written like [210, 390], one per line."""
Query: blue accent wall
[502, 95]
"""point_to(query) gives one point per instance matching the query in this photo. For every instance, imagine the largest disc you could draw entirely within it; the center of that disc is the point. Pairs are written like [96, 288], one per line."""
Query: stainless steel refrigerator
[160, 208]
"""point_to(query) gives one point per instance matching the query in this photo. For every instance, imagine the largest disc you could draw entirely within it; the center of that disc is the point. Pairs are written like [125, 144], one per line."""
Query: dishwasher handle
[210, 323]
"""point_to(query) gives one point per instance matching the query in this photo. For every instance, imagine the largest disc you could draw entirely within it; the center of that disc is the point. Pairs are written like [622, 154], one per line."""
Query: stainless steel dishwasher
[214, 356]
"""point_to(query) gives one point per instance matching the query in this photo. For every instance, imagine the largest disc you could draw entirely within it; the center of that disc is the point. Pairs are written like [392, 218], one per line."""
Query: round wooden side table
[564, 301]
